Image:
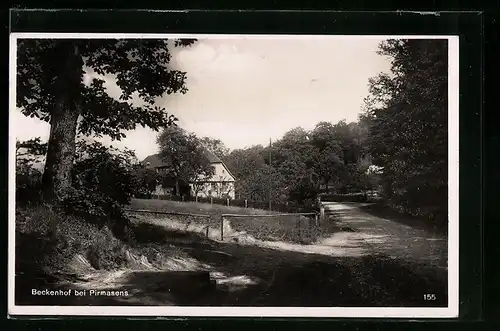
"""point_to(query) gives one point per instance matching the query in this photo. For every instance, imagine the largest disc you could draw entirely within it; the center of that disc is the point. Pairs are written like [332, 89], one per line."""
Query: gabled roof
[155, 160]
[212, 157]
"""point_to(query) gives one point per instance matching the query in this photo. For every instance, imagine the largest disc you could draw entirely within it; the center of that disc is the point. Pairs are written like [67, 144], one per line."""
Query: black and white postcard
[233, 175]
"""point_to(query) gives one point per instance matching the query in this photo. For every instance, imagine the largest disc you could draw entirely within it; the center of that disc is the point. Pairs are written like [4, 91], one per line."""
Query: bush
[103, 182]
[28, 178]
[303, 191]
[47, 239]
[28, 185]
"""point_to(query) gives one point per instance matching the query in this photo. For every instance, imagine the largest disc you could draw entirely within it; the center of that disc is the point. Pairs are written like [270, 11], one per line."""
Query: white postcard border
[178, 311]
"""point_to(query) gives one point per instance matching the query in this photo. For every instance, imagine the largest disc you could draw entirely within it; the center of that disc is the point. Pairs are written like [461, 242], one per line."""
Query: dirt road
[344, 269]
[391, 238]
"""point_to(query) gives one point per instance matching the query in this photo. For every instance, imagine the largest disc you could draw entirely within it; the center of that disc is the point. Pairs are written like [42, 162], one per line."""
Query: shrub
[103, 181]
[303, 191]
[28, 178]
[47, 239]
[28, 185]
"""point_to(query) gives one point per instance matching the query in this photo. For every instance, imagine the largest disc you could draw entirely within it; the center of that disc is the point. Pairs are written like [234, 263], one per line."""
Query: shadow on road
[254, 276]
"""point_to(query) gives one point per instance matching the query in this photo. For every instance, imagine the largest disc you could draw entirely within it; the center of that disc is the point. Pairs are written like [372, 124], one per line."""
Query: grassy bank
[279, 277]
[49, 240]
[288, 228]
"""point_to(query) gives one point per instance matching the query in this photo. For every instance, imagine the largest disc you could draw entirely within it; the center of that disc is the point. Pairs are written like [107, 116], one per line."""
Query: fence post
[300, 234]
[222, 228]
[227, 200]
[316, 221]
[246, 203]
[206, 231]
[321, 212]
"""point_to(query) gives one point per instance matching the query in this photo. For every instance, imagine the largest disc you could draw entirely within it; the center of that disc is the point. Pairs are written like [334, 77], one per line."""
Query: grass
[288, 228]
[213, 210]
[46, 239]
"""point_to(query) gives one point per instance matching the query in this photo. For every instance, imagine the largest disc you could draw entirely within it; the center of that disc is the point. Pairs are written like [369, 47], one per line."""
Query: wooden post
[222, 228]
[206, 232]
[300, 234]
[316, 221]
[246, 203]
[227, 200]
[322, 212]
[211, 200]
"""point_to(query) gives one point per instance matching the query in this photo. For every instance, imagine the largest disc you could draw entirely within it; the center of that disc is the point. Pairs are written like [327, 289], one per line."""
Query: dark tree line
[331, 157]
[407, 112]
[398, 146]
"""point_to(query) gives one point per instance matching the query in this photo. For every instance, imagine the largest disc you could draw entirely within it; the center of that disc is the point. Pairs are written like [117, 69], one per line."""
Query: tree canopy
[300, 164]
[184, 156]
[50, 87]
[407, 115]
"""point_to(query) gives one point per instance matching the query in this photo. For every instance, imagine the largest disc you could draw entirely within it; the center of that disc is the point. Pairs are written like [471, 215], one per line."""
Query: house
[219, 185]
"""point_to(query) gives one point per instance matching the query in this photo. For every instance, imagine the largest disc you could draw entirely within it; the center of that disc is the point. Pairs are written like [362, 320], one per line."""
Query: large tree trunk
[56, 178]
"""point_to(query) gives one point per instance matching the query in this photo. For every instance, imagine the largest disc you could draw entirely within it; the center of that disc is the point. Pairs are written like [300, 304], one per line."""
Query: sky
[245, 91]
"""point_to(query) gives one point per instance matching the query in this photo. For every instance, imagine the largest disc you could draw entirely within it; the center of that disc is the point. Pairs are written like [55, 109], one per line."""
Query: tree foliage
[28, 177]
[215, 146]
[183, 155]
[407, 112]
[102, 183]
[145, 180]
[50, 87]
[301, 163]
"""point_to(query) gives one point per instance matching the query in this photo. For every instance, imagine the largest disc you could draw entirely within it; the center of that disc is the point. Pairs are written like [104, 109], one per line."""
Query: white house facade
[219, 185]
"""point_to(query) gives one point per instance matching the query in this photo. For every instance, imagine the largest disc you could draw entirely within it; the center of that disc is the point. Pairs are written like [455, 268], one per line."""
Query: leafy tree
[145, 180]
[408, 125]
[28, 177]
[215, 146]
[327, 154]
[184, 156]
[102, 182]
[243, 162]
[304, 190]
[50, 87]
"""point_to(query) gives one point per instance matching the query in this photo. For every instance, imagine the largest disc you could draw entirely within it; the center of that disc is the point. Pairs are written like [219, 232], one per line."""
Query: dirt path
[391, 238]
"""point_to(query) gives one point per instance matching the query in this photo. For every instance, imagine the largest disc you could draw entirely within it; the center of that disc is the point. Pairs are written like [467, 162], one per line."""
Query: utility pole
[270, 170]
